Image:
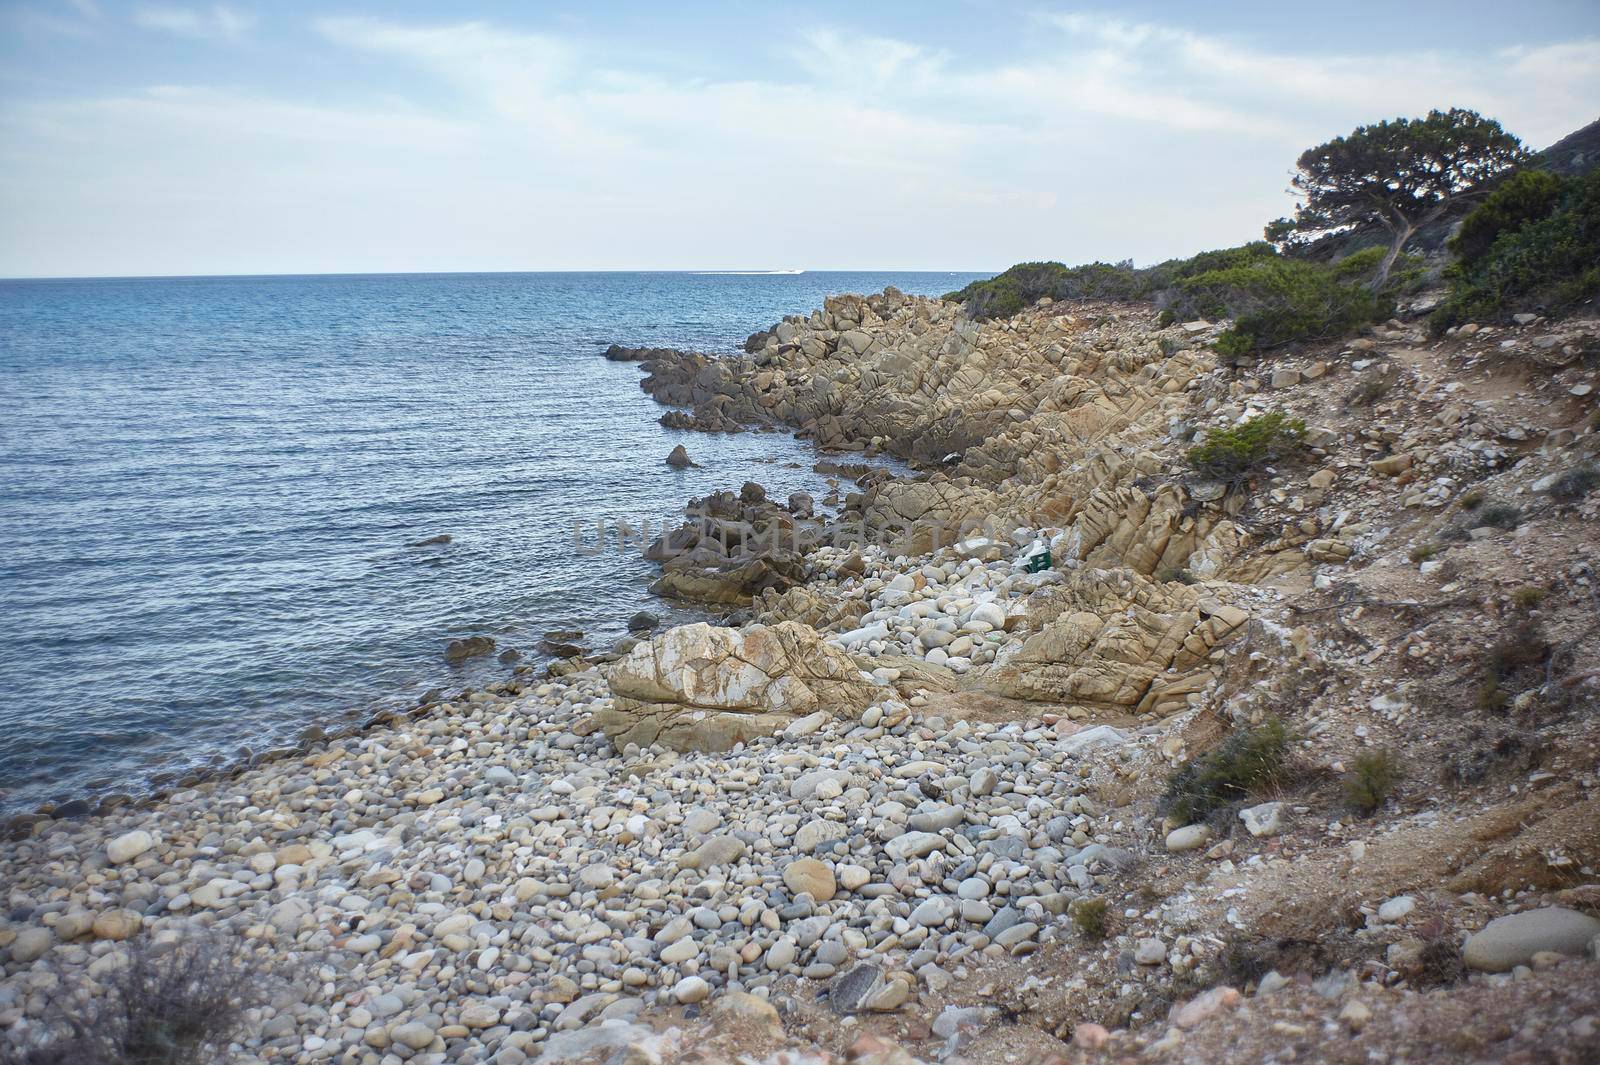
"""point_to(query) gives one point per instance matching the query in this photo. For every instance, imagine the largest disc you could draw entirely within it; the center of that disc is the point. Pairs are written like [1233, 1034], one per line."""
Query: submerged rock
[470, 647]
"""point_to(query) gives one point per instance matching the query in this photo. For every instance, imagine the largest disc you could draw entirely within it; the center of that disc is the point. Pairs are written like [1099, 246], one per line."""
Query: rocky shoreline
[907, 802]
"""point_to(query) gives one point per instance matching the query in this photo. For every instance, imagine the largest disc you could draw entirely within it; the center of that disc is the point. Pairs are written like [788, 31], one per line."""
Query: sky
[155, 138]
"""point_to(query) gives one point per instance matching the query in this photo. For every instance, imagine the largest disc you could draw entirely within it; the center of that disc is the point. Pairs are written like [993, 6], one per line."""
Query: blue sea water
[208, 487]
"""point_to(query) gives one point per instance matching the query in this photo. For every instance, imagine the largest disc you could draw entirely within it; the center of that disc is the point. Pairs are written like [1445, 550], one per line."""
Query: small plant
[1441, 962]
[1422, 552]
[1528, 596]
[1247, 761]
[1524, 647]
[1500, 516]
[1089, 918]
[1369, 392]
[1232, 454]
[1573, 485]
[1523, 652]
[181, 1005]
[1490, 697]
[1473, 498]
[1373, 775]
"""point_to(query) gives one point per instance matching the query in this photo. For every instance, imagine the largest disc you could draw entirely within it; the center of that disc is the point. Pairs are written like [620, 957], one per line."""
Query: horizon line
[703, 271]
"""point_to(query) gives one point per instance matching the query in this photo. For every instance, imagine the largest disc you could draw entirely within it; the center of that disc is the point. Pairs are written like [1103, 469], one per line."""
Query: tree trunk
[1402, 234]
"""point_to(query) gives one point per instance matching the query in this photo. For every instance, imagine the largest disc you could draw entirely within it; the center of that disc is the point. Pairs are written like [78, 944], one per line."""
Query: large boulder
[703, 687]
[1506, 942]
[1116, 640]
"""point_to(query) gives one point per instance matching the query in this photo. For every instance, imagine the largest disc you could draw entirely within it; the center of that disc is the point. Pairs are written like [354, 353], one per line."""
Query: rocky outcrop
[1114, 640]
[701, 687]
[1054, 417]
[733, 548]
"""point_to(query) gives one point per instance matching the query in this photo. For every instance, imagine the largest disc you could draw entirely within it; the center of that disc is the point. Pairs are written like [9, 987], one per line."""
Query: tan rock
[701, 687]
[810, 876]
[117, 924]
[1391, 465]
[1112, 639]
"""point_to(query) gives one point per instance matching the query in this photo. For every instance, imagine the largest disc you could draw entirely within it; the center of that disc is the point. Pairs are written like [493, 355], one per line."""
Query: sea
[215, 494]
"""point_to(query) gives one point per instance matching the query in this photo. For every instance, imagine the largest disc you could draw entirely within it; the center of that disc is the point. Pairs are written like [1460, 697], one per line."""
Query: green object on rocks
[1038, 563]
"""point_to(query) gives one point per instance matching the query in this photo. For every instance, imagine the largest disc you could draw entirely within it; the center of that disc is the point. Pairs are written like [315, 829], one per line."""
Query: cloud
[504, 148]
[832, 57]
[218, 22]
[510, 69]
[1152, 71]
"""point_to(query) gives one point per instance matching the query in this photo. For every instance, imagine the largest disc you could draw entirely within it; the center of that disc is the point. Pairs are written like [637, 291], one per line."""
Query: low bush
[1574, 485]
[1276, 302]
[1273, 299]
[180, 1005]
[1231, 454]
[1089, 917]
[1007, 293]
[1500, 516]
[1514, 663]
[1528, 596]
[1372, 777]
[1244, 763]
[1369, 391]
[1551, 263]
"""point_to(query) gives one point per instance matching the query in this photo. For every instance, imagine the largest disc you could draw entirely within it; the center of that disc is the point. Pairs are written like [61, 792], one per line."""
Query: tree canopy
[1401, 174]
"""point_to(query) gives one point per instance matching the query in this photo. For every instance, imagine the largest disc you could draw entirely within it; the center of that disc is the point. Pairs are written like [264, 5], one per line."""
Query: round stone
[809, 876]
[691, 989]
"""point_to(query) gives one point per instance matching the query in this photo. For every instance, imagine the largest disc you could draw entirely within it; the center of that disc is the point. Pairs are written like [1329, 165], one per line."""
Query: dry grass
[169, 1005]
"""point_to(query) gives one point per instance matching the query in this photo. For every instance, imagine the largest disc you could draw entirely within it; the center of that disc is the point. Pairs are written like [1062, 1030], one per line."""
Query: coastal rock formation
[1115, 640]
[700, 687]
[1050, 418]
[734, 547]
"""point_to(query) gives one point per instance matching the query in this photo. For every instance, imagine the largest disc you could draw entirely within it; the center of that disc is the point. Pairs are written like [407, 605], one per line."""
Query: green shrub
[1089, 917]
[1373, 775]
[1279, 301]
[1018, 287]
[1526, 196]
[1007, 293]
[1231, 454]
[1245, 762]
[1273, 299]
[1528, 596]
[1552, 263]
[1423, 552]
